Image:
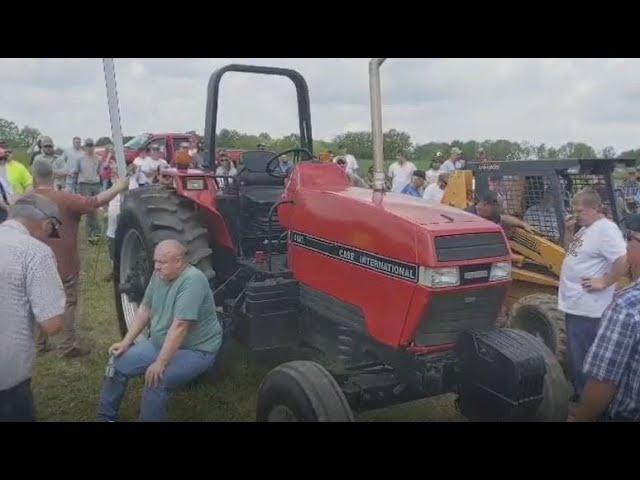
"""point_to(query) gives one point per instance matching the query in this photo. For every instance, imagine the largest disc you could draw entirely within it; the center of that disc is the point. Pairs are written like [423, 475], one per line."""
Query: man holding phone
[595, 260]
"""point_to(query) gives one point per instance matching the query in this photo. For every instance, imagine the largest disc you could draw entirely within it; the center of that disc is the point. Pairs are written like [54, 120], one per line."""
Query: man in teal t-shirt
[185, 336]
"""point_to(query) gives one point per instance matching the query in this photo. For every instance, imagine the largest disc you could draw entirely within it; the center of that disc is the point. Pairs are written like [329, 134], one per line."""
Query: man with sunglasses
[612, 365]
[57, 162]
[71, 207]
[31, 293]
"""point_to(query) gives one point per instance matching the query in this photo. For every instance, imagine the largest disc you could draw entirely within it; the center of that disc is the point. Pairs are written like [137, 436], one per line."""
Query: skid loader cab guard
[540, 191]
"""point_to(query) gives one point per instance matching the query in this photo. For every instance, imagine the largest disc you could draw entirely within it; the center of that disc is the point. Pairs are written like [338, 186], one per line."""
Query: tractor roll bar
[213, 89]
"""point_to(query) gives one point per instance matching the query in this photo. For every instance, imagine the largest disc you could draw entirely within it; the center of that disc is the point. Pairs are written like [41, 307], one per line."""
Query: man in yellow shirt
[15, 173]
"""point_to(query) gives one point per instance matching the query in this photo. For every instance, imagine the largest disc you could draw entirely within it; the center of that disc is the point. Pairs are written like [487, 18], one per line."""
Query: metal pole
[376, 123]
[114, 115]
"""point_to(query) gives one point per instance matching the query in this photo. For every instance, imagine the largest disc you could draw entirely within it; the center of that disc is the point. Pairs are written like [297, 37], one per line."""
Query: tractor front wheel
[301, 391]
[538, 315]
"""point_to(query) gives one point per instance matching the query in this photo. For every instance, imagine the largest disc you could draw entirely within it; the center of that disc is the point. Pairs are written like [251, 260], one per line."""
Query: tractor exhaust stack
[376, 123]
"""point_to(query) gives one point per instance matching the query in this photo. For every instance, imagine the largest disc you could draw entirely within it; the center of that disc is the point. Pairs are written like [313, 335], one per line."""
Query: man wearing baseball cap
[57, 162]
[612, 365]
[88, 172]
[416, 186]
[31, 294]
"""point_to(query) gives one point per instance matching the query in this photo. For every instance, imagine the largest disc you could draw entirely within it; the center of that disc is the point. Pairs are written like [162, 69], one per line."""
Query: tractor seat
[252, 170]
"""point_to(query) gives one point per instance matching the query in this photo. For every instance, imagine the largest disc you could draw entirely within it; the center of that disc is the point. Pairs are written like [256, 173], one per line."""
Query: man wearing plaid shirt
[631, 186]
[612, 366]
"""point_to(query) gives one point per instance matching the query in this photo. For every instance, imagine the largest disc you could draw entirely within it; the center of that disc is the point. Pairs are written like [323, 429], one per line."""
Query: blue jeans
[89, 190]
[16, 404]
[185, 366]
[581, 332]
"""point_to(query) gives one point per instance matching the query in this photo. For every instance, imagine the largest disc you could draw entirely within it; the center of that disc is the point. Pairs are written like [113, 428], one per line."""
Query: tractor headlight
[439, 277]
[500, 271]
[195, 183]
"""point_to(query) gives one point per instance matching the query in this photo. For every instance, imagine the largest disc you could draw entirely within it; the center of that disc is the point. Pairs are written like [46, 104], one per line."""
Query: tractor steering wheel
[271, 167]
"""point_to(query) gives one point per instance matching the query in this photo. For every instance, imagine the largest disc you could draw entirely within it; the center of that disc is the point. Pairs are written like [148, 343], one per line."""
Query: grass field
[68, 390]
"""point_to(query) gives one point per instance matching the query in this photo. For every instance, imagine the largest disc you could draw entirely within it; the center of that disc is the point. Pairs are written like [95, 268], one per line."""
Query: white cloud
[540, 100]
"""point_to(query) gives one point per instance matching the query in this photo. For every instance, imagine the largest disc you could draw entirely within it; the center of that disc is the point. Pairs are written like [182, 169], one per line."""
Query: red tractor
[362, 299]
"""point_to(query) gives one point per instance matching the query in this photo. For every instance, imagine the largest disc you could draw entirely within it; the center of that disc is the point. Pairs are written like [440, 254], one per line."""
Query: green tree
[396, 142]
[576, 150]
[427, 151]
[9, 132]
[27, 136]
[635, 154]
[358, 144]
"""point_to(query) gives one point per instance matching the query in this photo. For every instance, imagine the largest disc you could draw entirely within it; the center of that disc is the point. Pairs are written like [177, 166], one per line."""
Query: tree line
[360, 145]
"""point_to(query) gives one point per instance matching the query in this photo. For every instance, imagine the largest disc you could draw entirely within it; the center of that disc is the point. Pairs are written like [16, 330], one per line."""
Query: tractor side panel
[357, 262]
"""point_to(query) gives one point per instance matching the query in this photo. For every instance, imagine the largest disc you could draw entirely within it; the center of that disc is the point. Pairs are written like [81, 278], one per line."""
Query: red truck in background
[169, 144]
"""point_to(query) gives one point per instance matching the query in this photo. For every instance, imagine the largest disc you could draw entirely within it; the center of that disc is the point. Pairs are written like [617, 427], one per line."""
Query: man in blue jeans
[595, 260]
[612, 365]
[185, 336]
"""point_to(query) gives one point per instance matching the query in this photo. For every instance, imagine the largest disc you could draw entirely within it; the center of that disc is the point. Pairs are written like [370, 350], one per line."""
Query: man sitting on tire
[185, 336]
[612, 365]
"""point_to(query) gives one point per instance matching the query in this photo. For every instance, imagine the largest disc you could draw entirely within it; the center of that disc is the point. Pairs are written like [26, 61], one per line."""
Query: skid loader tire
[538, 314]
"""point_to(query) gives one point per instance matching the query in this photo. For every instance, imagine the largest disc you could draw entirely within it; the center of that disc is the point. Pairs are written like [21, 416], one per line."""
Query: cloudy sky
[550, 101]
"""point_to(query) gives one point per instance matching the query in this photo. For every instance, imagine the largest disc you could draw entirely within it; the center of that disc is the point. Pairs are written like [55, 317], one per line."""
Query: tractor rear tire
[301, 391]
[556, 389]
[149, 215]
[538, 315]
[155, 214]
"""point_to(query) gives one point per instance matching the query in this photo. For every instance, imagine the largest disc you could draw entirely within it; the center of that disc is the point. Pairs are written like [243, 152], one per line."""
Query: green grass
[68, 390]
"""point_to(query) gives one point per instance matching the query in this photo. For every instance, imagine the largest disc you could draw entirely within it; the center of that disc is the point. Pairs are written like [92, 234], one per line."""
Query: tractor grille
[450, 314]
[470, 246]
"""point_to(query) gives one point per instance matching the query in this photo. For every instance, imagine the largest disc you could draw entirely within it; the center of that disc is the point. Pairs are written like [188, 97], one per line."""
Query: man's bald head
[42, 173]
[172, 247]
[170, 259]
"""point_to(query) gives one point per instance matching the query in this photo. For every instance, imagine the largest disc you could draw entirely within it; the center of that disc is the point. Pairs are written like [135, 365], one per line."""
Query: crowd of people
[43, 207]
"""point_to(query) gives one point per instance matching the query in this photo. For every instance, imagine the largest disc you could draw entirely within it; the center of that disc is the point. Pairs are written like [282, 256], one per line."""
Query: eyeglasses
[47, 146]
[55, 223]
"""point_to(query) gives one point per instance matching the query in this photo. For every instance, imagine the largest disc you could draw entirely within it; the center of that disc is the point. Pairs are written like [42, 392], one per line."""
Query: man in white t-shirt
[453, 163]
[401, 172]
[351, 162]
[595, 260]
[226, 169]
[149, 167]
[433, 193]
[432, 174]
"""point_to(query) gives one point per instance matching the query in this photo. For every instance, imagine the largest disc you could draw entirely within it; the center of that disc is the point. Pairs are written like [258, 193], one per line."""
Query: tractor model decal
[371, 261]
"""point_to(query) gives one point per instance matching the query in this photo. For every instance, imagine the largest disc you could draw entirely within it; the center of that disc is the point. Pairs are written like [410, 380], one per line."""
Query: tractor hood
[413, 209]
